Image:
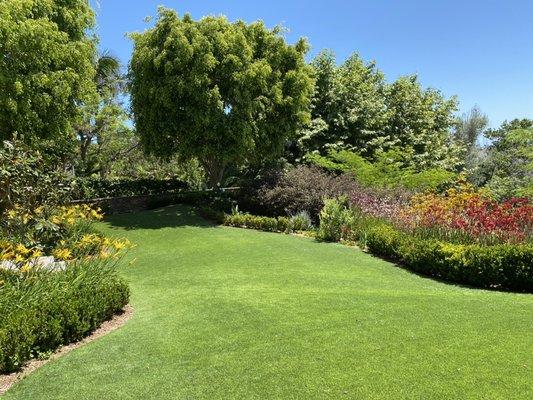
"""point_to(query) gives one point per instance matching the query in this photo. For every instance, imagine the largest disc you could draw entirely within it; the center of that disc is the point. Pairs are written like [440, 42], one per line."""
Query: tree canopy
[222, 92]
[355, 109]
[46, 67]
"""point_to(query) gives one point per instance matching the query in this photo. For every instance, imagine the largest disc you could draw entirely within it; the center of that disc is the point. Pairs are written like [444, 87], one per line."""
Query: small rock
[9, 265]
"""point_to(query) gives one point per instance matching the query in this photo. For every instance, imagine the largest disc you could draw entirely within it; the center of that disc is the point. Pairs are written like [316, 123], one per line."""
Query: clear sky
[479, 50]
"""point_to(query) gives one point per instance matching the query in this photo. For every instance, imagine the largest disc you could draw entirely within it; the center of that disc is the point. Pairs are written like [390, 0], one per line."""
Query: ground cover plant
[222, 312]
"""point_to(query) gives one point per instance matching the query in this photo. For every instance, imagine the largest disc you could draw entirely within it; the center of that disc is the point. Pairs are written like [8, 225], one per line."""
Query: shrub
[467, 215]
[93, 188]
[284, 224]
[27, 180]
[300, 221]
[506, 266]
[269, 224]
[304, 188]
[339, 221]
[40, 311]
[335, 220]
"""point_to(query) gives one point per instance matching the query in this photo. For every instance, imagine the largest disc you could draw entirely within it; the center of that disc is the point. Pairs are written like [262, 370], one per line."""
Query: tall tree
[468, 130]
[470, 127]
[224, 93]
[103, 134]
[420, 123]
[46, 67]
[348, 110]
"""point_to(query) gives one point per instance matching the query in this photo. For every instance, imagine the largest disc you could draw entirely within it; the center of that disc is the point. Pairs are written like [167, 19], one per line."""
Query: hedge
[268, 224]
[40, 311]
[503, 266]
[94, 188]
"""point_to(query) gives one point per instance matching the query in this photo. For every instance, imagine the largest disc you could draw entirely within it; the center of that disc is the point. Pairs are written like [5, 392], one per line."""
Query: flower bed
[41, 310]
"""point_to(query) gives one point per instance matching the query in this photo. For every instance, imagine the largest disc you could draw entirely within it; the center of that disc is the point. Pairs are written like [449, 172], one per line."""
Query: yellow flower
[62, 254]
[37, 253]
[25, 268]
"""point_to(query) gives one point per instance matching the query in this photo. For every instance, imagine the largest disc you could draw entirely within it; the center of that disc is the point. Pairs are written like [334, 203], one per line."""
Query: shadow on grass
[166, 217]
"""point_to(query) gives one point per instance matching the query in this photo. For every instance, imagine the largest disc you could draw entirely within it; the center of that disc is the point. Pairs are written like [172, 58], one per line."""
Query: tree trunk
[214, 169]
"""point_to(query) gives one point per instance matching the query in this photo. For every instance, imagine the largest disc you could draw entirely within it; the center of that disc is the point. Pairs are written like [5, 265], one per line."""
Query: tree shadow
[166, 217]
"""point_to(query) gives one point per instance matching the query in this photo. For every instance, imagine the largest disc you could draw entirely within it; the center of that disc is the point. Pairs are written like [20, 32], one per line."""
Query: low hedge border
[267, 224]
[40, 311]
[503, 266]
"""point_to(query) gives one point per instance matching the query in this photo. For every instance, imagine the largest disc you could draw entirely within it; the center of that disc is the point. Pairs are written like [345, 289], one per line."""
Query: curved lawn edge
[111, 325]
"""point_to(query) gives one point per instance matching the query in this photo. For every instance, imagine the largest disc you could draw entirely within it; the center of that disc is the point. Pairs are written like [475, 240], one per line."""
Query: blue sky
[481, 51]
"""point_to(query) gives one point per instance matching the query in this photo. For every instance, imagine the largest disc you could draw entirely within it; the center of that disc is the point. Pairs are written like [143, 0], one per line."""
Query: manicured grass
[226, 313]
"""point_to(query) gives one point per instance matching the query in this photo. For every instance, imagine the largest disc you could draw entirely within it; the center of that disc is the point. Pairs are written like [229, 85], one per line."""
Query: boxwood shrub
[504, 266]
[295, 223]
[40, 311]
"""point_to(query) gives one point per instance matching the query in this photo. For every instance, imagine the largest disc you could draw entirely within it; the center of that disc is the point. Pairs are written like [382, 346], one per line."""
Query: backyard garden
[250, 223]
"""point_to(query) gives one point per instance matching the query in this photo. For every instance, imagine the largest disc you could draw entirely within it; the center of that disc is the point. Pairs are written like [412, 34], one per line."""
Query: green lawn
[225, 313]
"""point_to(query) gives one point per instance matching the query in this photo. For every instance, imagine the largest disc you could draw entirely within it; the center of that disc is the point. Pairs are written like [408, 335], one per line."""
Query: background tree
[469, 129]
[354, 109]
[508, 167]
[420, 123]
[348, 108]
[224, 93]
[46, 68]
[103, 132]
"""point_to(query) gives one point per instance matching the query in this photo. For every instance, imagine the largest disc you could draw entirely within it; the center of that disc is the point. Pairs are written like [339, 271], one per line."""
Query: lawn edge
[116, 322]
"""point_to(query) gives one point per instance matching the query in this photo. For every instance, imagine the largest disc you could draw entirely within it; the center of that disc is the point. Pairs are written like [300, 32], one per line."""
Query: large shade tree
[46, 67]
[224, 93]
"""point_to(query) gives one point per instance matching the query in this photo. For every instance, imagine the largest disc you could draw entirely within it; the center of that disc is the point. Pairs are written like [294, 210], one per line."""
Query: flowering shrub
[379, 203]
[304, 188]
[465, 214]
[28, 180]
[64, 232]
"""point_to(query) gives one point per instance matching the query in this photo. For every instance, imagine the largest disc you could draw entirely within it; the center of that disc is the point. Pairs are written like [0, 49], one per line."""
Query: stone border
[6, 381]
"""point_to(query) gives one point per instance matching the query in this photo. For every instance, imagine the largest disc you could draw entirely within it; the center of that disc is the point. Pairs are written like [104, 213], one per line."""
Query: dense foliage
[40, 311]
[221, 92]
[303, 188]
[385, 172]
[46, 68]
[508, 167]
[503, 266]
[94, 188]
[28, 180]
[355, 109]
[57, 273]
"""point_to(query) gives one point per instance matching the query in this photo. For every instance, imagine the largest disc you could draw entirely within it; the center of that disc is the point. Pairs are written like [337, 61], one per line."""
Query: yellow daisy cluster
[17, 252]
[70, 215]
